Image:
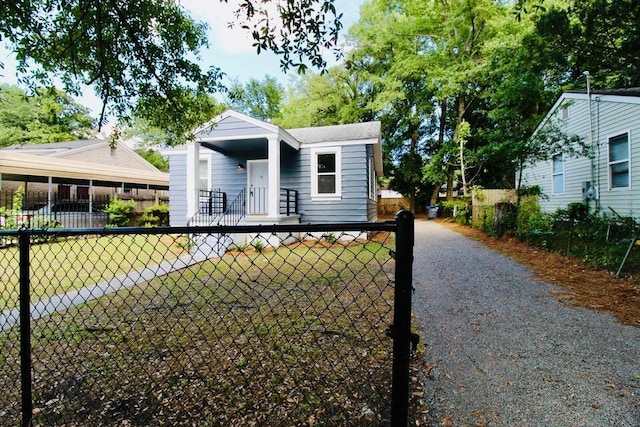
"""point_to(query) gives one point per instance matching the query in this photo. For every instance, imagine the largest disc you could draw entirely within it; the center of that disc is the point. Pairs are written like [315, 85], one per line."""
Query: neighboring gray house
[609, 122]
[240, 170]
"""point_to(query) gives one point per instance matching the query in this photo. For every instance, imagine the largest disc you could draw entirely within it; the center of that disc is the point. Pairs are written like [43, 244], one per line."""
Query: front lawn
[294, 336]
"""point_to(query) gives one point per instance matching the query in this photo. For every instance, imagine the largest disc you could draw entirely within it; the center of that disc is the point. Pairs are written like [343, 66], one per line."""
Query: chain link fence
[279, 325]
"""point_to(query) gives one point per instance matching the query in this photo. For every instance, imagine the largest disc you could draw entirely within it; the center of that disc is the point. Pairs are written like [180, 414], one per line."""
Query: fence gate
[266, 325]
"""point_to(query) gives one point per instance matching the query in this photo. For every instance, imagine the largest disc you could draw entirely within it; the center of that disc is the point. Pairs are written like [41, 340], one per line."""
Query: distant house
[609, 122]
[240, 170]
[78, 170]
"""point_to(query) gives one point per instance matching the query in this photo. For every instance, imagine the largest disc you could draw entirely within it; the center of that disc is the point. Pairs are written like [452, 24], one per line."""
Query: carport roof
[20, 166]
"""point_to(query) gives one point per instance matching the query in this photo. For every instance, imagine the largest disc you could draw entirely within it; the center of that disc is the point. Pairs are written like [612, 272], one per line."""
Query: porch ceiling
[255, 146]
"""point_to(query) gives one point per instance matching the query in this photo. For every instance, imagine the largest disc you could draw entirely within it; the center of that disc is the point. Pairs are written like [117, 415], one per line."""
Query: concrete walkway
[502, 352]
[10, 318]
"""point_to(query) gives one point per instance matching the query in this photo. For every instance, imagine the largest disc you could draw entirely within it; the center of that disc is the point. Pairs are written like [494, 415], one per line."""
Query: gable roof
[55, 148]
[89, 150]
[623, 95]
[18, 164]
[349, 132]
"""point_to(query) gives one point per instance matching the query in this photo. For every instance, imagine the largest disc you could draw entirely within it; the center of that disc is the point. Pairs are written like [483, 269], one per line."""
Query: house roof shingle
[349, 132]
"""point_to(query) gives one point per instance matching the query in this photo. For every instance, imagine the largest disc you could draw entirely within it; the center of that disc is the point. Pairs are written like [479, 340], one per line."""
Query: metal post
[25, 329]
[401, 330]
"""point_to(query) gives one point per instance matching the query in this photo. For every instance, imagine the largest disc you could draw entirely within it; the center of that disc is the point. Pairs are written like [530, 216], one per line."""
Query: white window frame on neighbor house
[613, 163]
[557, 173]
[337, 153]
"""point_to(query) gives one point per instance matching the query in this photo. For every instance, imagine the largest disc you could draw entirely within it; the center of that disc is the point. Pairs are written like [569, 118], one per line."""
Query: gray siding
[178, 190]
[226, 176]
[353, 206]
[232, 127]
[610, 118]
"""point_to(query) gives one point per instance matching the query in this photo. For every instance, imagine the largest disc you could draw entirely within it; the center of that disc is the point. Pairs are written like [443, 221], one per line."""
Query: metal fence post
[401, 329]
[25, 328]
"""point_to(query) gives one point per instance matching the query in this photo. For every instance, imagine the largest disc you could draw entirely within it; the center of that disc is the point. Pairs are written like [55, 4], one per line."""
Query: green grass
[293, 336]
[71, 264]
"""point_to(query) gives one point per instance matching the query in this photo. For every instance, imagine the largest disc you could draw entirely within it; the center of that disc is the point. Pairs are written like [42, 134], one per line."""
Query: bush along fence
[256, 325]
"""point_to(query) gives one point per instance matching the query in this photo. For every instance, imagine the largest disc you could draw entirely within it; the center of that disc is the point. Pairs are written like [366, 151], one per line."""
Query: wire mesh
[199, 328]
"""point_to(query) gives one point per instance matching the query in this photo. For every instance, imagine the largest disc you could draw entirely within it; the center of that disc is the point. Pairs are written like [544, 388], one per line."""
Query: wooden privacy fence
[484, 203]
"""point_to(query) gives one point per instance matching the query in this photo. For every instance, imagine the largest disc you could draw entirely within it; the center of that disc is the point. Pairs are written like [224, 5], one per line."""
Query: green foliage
[120, 212]
[10, 218]
[459, 210]
[47, 115]
[148, 51]
[599, 241]
[257, 244]
[155, 158]
[155, 216]
[259, 99]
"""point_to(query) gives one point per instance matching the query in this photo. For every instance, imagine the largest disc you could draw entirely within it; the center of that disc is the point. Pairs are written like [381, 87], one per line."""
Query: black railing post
[401, 329]
[288, 202]
[25, 328]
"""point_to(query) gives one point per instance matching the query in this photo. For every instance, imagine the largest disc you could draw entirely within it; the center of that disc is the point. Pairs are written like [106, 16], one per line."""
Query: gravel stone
[502, 351]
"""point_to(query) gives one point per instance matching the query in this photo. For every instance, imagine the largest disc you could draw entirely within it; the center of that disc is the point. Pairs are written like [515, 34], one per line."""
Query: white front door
[258, 186]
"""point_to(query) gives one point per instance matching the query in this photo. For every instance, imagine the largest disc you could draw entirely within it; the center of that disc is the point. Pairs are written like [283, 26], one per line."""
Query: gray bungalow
[240, 170]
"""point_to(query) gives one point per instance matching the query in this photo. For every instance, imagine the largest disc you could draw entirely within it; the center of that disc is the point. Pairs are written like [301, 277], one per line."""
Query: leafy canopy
[145, 53]
[49, 115]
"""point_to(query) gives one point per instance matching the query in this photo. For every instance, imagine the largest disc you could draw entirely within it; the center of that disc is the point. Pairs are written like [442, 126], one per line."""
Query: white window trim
[314, 173]
[371, 179]
[554, 174]
[628, 160]
[206, 158]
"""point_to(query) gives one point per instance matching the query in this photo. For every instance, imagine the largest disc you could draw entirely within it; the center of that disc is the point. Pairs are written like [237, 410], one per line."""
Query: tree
[389, 59]
[259, 99]
[339, 96]
[49, 115]
[601, 36]
[145, 52]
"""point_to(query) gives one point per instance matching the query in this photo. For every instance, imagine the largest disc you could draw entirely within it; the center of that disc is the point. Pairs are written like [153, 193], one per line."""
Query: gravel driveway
[502, 351]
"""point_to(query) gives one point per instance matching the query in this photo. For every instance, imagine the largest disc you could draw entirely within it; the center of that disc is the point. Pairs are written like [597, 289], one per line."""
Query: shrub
[155, 216]
[459, 210]
[120, 212]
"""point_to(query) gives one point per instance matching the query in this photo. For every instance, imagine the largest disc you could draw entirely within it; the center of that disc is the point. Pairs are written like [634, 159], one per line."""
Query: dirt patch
[585, 286]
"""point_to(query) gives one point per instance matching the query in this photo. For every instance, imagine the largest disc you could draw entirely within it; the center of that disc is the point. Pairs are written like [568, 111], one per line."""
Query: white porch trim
[274, 176]
[193, 177]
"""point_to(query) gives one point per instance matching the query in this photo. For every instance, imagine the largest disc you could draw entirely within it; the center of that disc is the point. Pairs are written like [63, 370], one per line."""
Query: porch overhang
[242, 145]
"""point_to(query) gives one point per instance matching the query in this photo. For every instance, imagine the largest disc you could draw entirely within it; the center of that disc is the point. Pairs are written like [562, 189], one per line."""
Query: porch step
[211, 245]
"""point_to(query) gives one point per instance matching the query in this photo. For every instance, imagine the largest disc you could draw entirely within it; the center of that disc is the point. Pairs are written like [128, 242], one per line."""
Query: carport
[27, 168]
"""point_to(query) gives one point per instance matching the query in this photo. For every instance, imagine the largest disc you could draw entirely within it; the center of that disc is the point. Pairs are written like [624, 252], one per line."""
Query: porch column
[193, 177]
[274, 177]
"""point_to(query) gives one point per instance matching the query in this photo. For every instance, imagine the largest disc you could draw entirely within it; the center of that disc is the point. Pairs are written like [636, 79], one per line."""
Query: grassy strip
[71, 264]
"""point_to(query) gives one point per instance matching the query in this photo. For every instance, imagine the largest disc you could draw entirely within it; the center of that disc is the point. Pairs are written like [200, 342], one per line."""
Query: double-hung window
[558, 174]
[619, 157]
[326, 176]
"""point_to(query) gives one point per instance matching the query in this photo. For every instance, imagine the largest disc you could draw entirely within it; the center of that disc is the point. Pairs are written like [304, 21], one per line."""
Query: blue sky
[230, 49]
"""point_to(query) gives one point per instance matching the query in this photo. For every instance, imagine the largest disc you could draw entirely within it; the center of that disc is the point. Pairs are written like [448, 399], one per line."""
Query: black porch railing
[236, 210]
[212, 203]
[288, 202]
[137, 326]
